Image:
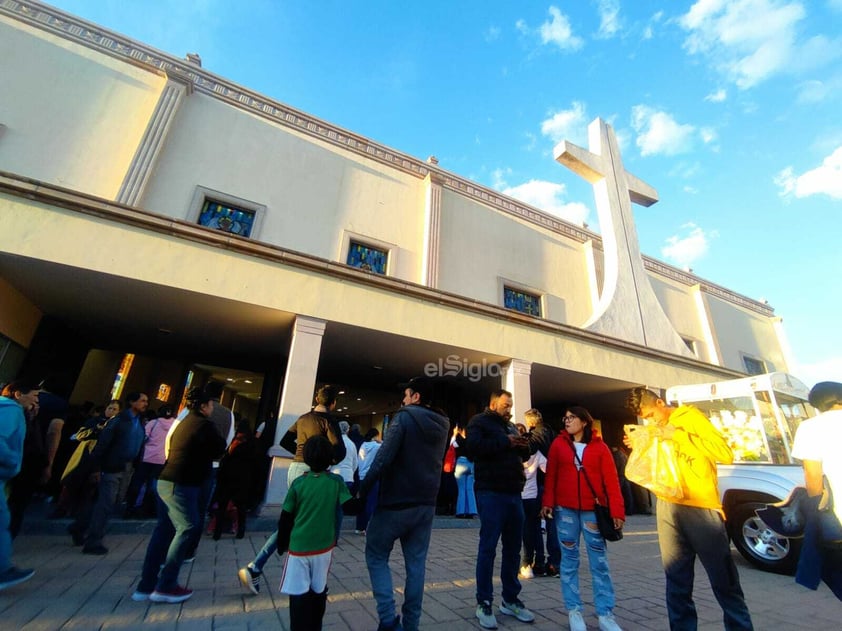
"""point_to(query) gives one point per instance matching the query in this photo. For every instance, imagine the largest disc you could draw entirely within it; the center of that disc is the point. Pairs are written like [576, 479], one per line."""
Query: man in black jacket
[499, 453]
[119, 442]
[408, 467]
[540, 437]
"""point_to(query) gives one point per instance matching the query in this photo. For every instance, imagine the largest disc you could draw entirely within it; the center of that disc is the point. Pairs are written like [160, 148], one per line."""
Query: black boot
[299, 612]
[318, 603]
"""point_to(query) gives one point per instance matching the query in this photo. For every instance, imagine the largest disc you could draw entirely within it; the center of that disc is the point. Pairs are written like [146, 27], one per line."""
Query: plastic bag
[652, 463]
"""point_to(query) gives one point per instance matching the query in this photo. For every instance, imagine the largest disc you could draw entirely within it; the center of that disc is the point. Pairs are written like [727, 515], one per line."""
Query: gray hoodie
[408, 464]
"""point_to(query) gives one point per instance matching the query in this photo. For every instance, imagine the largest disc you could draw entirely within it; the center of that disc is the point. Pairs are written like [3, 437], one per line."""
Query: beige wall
[480, 246]
[678, 302]
[741, 331]
[19, 318]
[73, 117]
[96, 377]
[312, 192]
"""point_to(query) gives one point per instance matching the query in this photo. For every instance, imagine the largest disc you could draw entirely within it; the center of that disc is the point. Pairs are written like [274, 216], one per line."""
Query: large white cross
[627, 307]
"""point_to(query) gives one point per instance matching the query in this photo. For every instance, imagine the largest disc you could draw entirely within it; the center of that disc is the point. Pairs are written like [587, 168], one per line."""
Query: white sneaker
[526, 572]
[577, 622]
[607, 623]
[517, 609]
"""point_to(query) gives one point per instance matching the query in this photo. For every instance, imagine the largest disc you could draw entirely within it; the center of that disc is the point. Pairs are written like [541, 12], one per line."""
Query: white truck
[758, 416]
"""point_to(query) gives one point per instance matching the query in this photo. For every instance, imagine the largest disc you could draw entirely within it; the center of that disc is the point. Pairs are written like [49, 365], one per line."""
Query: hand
[627, 441]
[618, 523]
[547, 512]
[517, 441]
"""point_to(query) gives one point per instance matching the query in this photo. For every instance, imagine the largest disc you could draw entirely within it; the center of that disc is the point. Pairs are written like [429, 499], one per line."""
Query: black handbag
[604, 521]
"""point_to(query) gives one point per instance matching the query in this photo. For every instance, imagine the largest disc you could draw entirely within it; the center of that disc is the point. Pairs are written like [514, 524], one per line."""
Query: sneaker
[97, 550]
[189, 559]
[395, 626]
[14, 576]
[485, 615]
[518, 610]
[140, 596]
[526, 572]
[607, 623]
[539, 570]
[552, 571]
[250, 578]
[177, 594]
[577, 622]
[359, 532]
[77, 535]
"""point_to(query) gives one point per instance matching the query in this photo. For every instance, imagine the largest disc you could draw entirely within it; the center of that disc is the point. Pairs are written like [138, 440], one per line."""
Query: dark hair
[18, 385]
[214, 389]
[197, 398]
[421, 386]
[318, 453]
[825, 395]
[370, 434]
[496, 394]
[133, 396]
[326, 396]
[585, 416]
[165, 411]
[640, 396]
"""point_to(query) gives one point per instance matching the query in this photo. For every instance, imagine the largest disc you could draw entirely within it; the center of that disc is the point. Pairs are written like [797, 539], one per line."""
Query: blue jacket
[12, 433]
[119, 442]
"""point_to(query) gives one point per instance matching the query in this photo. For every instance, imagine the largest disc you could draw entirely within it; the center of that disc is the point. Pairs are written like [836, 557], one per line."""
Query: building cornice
[198, 79]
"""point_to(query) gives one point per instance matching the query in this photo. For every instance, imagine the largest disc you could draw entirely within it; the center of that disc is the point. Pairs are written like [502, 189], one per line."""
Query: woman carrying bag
[576, 453]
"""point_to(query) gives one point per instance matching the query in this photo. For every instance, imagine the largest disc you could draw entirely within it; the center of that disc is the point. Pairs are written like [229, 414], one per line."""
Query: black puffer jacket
[497, 465]
[409, 462]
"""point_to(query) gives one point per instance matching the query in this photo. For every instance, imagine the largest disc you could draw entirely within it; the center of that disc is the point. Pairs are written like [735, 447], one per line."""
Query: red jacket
[565, 485]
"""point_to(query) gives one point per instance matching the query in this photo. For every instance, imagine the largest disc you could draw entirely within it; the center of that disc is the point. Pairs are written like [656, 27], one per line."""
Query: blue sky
[729, 108]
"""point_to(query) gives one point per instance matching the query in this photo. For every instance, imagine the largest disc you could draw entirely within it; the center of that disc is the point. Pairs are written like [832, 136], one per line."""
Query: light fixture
[341, 392]
[229, 379]
[247, 380]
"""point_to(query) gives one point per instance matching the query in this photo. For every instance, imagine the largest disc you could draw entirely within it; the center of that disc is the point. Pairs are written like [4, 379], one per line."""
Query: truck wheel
[758, 544]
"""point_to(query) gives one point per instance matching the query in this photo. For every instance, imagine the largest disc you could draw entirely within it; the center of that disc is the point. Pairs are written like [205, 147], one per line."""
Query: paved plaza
[74, 591]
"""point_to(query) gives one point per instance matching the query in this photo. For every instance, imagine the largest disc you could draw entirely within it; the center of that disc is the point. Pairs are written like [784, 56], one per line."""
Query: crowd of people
[520, 479]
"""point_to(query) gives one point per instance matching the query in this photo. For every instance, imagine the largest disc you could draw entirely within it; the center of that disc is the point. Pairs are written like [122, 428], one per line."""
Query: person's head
[326, 397]
[214, 389]
[826, 395]
[318, 453]
[24, 393]
[200, 401]
[355, 428]
[244, 428]
[501, 403]
[166, 411]
[532, 418]
[371, 434]
[112, 409]
[578, 422]
[648, 405]
[521, 429]
[418, 391]
[138, 402]
[344, 427]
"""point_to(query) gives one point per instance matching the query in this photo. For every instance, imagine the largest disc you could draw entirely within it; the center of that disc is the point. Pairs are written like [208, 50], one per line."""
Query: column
[516, 375]
[296, 397]
[714, 354]
[432, 228]
[153, 140]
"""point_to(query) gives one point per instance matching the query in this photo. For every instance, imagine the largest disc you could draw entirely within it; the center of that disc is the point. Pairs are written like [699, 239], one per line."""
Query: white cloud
[557, 30]
[688, 246]
[717, 97]
[749, 41]
[660, 133]
[609, 18]
[569, 124]
[825, 179]
[522, 27]
[498, 178]
[708, 135]
[492, 33]
[549, 197]
[813, 91]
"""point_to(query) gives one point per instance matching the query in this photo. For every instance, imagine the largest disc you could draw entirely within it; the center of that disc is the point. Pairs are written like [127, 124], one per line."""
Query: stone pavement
[74, 591]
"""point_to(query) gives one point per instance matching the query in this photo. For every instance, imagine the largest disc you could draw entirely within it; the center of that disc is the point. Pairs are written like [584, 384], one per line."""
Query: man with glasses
[694, 525]
[499, 452]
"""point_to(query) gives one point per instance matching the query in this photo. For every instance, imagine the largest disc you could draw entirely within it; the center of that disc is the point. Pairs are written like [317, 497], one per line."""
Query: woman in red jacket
[575, 453]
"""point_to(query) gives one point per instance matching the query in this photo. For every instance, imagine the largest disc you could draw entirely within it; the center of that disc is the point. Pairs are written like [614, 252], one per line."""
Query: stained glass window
[522, 301]
[226, 218]
[367, 257]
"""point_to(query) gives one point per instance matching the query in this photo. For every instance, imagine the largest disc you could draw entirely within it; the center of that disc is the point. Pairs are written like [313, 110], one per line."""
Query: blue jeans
[466, 503]
[501, 517]
[5, 535]
[367, 510]
[412, 526]
[553, 549]
[203, 502]
[296, 470]
[685, 532]
[178, 520]
[533, 541]
[570, 523]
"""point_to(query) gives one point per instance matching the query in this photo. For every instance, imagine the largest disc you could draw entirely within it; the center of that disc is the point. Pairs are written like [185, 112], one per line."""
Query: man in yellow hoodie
[694, 525]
